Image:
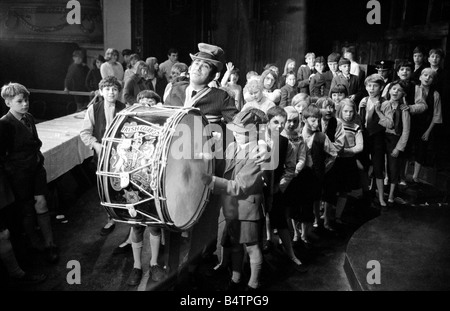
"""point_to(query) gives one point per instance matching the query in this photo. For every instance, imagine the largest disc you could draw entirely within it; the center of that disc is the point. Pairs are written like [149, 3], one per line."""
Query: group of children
[329, 136]
[337, 138]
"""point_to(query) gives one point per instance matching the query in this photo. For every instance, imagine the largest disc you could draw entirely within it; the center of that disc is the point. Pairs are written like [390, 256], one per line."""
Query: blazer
[353, 85]
[19, 148]
[303, 74]
[216, 103]
[241, 188]
[287, 93]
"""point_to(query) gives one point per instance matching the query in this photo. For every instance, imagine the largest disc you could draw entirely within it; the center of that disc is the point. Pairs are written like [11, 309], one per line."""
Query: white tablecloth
[61, 144]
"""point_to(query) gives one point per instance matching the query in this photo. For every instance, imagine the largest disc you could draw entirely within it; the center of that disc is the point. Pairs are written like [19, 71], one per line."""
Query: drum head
[186, 194]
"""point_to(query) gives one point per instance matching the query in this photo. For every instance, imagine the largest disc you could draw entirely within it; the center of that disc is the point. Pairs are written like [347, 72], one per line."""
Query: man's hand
[206, 179]
[263, 154]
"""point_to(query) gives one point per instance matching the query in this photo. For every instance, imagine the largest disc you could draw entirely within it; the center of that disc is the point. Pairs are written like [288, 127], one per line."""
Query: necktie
[25, 122]
[193, 93]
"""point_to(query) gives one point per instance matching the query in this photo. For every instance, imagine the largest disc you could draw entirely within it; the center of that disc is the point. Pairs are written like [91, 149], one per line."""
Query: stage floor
[80, 240]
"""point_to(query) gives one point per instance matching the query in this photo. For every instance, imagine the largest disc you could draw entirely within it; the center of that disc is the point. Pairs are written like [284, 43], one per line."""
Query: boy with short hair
[350, 81]
[148, 98]
[317, 83]
[435, 59]
[305, 73]
[320, 156]
[97, 119]
[419, 63]
[241, 191]
[332, 61]
[373, 131]
[23, 164]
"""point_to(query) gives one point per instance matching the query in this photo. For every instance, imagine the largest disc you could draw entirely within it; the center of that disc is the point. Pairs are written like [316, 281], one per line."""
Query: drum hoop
[158, 164]
[206, 191]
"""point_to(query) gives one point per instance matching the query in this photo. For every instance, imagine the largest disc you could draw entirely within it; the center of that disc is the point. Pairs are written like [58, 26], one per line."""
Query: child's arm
[247, 181]
[437, 116]
[359, 144]
[386, 114]
[301, 157]
[86, 133]
[329, 148]
[419, 105]
[401, 144]
[227, 74]
[289, 168]
[339, 137]
[303, 80]
[128, 92]
[284, 97]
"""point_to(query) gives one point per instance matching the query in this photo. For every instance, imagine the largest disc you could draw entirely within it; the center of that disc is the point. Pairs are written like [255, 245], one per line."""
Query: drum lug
[124, 180]
[131, 210]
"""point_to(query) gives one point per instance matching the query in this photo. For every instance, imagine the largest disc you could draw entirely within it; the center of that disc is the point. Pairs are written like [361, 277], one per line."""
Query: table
[61, 144]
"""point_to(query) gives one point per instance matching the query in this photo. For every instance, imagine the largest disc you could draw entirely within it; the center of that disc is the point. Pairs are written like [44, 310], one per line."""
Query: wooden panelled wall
[256, 32]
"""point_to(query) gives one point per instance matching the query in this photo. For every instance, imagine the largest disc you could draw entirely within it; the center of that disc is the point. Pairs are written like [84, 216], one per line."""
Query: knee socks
[9, 259]
[45, 224]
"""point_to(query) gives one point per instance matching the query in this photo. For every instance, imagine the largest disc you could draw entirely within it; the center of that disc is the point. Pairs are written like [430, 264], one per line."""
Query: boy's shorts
[28, 184]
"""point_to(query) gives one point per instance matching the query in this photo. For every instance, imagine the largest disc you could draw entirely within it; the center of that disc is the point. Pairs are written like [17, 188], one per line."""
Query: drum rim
[165, 220]
[206, 192]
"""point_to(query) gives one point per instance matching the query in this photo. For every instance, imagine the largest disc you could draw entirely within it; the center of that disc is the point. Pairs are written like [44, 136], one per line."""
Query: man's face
[383, 72]
[126, 58]
[333, 66]
[110, 93]
[310, 61]
[276, 124]
[348, 55]
[404, 73]
[18, 104]
[199, 72]
[77, 60]
[173, 57]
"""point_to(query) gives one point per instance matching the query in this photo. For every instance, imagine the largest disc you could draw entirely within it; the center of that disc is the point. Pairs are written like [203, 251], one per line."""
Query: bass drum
[149, 171]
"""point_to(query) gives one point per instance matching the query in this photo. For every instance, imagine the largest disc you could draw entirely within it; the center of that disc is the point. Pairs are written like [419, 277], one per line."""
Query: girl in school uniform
[346, 168]
[397, 123]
